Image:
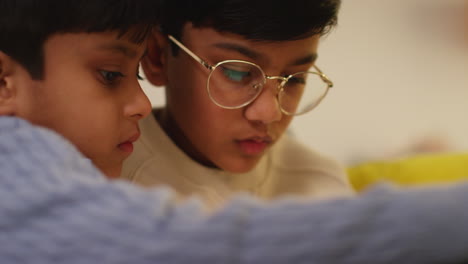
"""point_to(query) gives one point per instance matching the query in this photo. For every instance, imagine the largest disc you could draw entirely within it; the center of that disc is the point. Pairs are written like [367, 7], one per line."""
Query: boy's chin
[242, 166]
[111, 173]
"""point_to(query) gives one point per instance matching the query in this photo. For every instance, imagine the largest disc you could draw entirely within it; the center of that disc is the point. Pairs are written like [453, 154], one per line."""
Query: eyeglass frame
[280, 88]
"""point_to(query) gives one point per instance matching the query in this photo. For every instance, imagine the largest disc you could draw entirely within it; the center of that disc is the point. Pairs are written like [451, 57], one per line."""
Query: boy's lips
[254, 145]
[127, 146]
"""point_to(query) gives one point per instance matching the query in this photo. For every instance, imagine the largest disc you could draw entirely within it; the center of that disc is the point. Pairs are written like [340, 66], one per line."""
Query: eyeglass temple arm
[324, 77]
[189, 52]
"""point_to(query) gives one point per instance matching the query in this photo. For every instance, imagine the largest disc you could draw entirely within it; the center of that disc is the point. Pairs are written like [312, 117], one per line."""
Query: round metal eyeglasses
[234, 84]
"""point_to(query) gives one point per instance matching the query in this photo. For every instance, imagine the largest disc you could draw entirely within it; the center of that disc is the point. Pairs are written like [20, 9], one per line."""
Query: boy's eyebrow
[122, 48]
[309, 59]
[242, 50]
[256, 55]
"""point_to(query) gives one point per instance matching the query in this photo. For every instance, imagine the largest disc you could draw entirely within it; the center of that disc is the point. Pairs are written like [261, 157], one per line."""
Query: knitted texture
[56, 207]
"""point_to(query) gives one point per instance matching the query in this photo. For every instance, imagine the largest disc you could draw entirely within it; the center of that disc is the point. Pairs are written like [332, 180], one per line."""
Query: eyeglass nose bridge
[281, 78]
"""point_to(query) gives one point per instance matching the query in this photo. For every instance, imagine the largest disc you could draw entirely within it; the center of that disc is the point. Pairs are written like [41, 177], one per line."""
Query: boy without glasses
[72, 66]
[236, 73]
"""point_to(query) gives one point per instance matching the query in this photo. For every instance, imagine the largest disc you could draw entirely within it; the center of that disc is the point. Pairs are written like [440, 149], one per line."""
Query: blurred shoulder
[299, 167]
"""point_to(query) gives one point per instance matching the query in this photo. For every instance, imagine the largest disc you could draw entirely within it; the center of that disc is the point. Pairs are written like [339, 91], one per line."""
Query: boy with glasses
[236, 73]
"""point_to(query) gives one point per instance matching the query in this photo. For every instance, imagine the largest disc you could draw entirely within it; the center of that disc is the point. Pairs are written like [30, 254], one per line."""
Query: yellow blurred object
[421, 169]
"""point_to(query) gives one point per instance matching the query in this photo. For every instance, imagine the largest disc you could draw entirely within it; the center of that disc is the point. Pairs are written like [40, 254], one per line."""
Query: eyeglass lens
[236, 84]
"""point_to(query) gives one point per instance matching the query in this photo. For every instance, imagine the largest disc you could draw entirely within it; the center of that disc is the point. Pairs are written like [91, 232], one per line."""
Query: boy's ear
[7, 85]
[154, 63]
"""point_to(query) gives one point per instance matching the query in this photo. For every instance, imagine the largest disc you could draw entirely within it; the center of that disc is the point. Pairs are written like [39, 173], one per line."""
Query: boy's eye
[235, 74]
[296, 80]
[111, 76]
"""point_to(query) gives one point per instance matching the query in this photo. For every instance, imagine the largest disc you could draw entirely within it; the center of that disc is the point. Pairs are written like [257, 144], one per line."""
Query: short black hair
[257, 20]
[25, 25]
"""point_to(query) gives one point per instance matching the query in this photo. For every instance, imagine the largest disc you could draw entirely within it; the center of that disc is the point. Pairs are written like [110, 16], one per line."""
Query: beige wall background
[400, 69]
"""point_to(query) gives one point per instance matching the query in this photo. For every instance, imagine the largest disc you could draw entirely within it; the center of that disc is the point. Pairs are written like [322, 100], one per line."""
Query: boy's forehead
[298, 52]
[110, 42]
[115, 42]
[118, 47]
[263, 54]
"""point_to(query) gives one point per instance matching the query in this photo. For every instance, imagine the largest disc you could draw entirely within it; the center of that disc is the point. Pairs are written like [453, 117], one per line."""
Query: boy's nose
[265, 108]
[140, 105]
